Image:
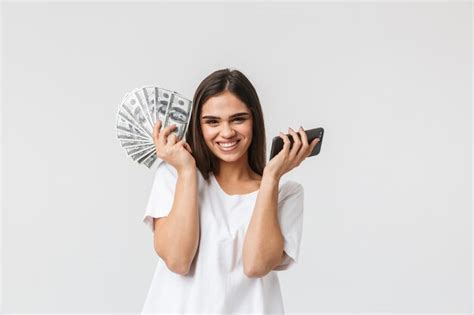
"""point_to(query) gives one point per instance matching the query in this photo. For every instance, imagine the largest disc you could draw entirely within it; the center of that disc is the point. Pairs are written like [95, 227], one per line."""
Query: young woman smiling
[222, 220]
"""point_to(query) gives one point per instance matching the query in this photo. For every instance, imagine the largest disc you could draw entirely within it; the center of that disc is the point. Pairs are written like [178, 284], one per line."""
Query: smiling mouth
[227, 146]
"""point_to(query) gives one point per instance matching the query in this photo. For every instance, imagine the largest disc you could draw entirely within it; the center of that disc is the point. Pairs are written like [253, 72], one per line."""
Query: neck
[235, 171]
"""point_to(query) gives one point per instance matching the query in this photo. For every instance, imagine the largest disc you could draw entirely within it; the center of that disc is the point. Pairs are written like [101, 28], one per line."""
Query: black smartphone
[311, 134]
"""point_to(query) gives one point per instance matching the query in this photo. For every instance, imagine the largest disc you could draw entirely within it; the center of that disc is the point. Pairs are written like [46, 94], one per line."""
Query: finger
[156, 131]
[188, 147]
[296, 144]
[304, 144]
[312, 145]
[185, 145]
[304, 137]
[286, 143]
[163, 136]
[179, 143]
[182, 143]
[172, 139]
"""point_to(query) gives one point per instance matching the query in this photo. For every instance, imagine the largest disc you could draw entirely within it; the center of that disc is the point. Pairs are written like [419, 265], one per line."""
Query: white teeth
[227, 144]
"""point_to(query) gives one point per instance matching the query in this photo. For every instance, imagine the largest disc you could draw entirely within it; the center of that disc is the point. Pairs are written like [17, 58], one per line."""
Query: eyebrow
[231, 116]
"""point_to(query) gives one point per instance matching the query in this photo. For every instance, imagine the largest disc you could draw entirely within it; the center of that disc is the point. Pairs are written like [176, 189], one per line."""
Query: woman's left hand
[288, 159]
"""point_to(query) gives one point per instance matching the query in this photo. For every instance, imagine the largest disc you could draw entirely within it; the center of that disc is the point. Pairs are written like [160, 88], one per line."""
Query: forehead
[224, 104]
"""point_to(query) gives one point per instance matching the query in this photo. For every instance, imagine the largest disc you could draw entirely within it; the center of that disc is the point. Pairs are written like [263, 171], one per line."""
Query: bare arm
[263, 244]
[176, 237]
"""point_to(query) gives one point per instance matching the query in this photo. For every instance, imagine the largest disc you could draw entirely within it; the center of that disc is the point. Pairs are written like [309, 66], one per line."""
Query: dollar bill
[135, 140]
[132, 107]
[148, 162]
[164, 101]
[151, 95]
[178, 113]
[133, 113]
[134, 143]
[124, 117]
[125, 135]
[148, 159]
[137, 152]
[125, 125]
[139, 96]
[140, 110]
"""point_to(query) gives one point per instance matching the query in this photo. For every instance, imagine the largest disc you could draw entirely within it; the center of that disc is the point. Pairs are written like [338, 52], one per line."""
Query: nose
[227, 131]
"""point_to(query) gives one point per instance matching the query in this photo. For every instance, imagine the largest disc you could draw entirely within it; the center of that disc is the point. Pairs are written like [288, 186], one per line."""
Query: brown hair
[238, 84]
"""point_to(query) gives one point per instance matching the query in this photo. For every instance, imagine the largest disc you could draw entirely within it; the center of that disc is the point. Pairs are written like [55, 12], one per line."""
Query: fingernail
[301, 127]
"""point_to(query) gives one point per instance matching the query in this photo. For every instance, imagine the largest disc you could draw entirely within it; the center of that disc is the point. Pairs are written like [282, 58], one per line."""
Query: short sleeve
[290, 216]
[161, 197]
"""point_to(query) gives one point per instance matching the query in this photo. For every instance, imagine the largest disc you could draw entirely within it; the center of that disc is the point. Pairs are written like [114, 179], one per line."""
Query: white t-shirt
[216, 282]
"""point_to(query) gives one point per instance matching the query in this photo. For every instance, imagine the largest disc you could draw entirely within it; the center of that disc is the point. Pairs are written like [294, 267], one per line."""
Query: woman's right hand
[178, 154]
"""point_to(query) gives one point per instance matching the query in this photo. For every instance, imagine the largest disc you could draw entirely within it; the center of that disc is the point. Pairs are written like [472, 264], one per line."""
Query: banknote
[138, 152]
[178, 113]
[124, 135]
[133, 107]
[134, 143]
[150, 93]
[125, 125]
[139, 111]
[148, 162]
[148, 159]
[143, 156]
[129, 141]
[134, 113]
[140, 96]
[164, 101]
[125, 118]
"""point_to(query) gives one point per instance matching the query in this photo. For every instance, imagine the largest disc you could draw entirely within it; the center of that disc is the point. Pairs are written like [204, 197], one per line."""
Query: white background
[387, 202]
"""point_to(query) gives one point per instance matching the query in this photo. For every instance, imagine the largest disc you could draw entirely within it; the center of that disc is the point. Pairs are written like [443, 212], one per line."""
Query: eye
[213, 121]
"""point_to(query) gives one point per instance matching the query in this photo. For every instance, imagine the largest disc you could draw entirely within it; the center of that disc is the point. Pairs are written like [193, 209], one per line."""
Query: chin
[229, 159]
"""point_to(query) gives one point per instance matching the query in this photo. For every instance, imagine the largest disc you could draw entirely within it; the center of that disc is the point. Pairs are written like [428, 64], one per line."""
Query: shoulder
[290, 188]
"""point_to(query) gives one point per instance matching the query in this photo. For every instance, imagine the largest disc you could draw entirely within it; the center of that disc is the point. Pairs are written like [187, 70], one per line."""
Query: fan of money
[137, 114]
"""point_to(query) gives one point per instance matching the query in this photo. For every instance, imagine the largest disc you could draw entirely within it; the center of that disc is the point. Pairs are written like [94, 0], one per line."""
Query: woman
[221, 219]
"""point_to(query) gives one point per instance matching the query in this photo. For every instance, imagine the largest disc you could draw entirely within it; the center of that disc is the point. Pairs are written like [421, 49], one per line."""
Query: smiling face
[226, 124]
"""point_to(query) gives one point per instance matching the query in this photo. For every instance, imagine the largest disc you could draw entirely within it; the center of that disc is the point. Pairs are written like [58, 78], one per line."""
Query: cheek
[207, 133]
[244, 129]
[247, 128]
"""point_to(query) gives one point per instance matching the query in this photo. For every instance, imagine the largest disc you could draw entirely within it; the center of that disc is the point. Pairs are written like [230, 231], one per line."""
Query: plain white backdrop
[388, 203]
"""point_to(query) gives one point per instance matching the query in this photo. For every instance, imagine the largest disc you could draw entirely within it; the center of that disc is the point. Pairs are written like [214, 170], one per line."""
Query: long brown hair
[237, 83]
